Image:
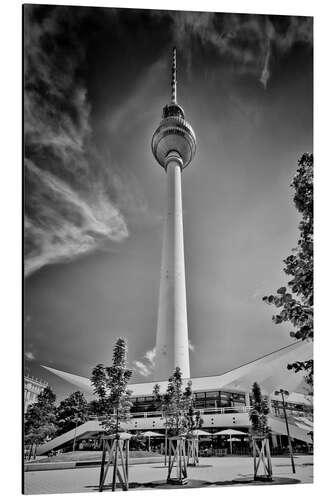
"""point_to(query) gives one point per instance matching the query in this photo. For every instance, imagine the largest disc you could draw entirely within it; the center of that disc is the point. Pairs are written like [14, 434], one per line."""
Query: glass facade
[143, 404]
[207, 399]
[219, 399]
[291, 408]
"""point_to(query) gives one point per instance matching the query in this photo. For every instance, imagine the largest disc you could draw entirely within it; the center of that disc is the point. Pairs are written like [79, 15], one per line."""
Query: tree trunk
[30, 451]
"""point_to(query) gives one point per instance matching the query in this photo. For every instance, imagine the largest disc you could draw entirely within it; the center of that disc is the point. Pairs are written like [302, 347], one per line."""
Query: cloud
[151, 355]
[129, 114]
[72, 203]
[265, 74]
[245, 42]
[142, 368]
[72, 226]
[146, 367]
[29, 355]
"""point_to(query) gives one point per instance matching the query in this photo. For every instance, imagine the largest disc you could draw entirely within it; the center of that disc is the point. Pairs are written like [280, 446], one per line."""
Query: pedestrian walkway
[211, 470]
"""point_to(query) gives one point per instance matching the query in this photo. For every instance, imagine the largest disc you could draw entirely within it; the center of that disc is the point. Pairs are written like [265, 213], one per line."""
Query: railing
[224, 410]
[293, 413]
[213, 411]
[203, 411]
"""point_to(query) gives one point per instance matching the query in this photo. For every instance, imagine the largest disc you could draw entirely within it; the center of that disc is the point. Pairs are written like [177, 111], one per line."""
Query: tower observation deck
[173, 145]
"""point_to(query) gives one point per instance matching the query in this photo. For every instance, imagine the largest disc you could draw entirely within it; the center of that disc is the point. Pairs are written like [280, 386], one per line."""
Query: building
[32, 388]
[223, 401]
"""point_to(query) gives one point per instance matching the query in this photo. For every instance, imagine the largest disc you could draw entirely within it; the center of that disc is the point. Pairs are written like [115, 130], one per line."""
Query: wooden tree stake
[117, 451]
[192, 451]
[177, 460]
[261, 456]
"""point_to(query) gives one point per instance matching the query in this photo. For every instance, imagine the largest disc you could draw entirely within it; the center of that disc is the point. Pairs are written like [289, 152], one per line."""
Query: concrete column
[172, 333]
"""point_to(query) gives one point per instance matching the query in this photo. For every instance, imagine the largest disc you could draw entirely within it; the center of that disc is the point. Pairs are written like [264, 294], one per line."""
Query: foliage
[296, 304]
[177, 405]
[71, 412]
[95, 407]
[138, 441]
[259, 411]
[40, 418]
[110, 385]
[194, 420]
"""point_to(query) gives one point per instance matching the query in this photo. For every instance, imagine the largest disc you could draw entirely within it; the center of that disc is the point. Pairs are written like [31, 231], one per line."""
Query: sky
[96, 80]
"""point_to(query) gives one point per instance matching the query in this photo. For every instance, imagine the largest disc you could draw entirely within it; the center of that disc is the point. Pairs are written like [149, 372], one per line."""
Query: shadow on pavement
[190, 466]
[197, 483]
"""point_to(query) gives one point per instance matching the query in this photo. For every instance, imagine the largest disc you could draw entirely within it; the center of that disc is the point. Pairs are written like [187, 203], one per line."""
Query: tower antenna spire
[174, 78]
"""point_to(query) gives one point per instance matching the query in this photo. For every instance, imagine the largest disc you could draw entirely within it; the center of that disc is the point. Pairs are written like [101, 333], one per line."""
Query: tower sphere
[174, 134]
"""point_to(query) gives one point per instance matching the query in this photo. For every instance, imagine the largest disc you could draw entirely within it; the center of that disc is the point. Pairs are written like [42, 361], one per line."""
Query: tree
[40, 418]
[194, 419]
[110, 385]
[260, 434]
[259, 411]
[177, 404]
[296, 300]
[138, 441]
[71, 412]
[95, 407]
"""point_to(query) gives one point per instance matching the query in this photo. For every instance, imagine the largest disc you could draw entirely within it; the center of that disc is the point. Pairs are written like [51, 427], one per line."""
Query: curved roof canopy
[270, 371]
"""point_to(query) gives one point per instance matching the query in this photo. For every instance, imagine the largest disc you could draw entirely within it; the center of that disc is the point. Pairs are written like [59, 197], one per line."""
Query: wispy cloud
[245, 42]
[150, 356]
[130, 112]
[142, 368]
[147, 365]
[265, 74]
[29, 355]
[71, 196]
[72, 225]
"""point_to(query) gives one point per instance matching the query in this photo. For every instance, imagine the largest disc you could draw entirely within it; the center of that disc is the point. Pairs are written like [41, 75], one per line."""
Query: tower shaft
[173, 146]
[172, 332]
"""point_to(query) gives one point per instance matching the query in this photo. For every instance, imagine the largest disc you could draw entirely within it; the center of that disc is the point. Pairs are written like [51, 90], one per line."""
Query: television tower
[173, 145]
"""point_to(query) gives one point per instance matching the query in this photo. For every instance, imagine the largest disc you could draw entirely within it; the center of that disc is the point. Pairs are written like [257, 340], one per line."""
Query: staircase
[84, 431]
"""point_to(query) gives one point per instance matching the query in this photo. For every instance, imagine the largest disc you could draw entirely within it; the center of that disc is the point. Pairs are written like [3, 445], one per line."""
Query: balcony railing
[212, 411]
[203, 411]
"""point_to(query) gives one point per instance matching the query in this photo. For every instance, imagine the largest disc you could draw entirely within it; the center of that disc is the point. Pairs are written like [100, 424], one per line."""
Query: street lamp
[283, 394]
[74, 441]
[164, 415]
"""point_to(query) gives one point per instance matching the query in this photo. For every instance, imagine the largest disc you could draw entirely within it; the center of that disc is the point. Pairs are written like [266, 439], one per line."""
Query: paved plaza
[211, 472]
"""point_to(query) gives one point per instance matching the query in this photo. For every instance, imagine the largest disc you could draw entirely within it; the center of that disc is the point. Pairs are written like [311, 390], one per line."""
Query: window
[172, 110]
[200, 395]
[240, 398]
[211, 403]
[212, 394]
